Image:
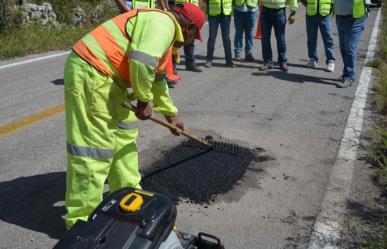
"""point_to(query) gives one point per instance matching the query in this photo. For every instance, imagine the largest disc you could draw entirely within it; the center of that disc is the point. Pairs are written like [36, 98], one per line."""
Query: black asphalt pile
[193, 175]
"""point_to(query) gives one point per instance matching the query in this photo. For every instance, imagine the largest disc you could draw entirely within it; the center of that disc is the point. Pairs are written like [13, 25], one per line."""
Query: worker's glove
[176, 122]
[143, 110]
[292, 18]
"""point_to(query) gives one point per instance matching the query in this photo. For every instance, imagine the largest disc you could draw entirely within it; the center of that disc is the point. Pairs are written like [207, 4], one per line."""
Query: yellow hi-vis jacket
[322, 7]
[143, 4]
[133, 49]
[279, 4]
[216, 7]
[249, 3]
[196, 2]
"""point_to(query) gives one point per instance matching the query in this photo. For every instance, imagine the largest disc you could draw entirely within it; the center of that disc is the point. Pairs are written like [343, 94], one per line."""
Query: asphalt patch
[195, 175]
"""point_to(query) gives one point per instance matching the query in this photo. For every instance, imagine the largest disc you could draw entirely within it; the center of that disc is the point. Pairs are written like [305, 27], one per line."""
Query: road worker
[351, 18]
[189, 49]
[126, 6]
[318, 16]
[122, 59]
[219, 14]
[273, 14]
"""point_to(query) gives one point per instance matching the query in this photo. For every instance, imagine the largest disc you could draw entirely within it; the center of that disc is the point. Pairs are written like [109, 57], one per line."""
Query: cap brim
[199, 35]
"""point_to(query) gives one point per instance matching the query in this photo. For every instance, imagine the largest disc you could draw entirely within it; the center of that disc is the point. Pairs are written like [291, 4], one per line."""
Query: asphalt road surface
[288, 126]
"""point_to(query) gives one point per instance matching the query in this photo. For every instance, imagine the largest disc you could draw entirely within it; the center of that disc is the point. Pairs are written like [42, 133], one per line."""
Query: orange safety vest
[113, 51]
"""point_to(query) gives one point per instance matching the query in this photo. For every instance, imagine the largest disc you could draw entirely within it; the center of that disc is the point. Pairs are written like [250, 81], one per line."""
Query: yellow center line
[22, 123]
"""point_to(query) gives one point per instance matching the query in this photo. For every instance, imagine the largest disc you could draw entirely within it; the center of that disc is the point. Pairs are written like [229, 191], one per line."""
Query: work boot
[284, 67]
[249, 58]
[195, 69]
[265, 67]
[230, 64]
[171, 83]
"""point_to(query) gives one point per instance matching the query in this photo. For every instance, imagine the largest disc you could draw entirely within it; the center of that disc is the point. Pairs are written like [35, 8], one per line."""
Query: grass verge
[36, 38]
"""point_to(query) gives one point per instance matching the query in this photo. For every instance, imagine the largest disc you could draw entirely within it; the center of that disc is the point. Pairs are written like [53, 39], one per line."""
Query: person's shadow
[35, 203]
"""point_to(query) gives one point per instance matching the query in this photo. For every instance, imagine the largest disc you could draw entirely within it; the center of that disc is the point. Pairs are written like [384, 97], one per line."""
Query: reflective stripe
[160, 76]
[144, 58]
[127, 125]
[89, 152]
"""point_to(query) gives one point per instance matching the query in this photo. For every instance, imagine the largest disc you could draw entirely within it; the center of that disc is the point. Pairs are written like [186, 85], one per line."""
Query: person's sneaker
[312, 63]
[284, 67]
[238, 58]
[194, 69]
[249, 58]
[345, 83]
[331, 66]
[265, 67]
[208, 64]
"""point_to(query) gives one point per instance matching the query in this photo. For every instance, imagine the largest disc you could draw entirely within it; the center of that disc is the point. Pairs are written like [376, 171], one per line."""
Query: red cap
[193, 13]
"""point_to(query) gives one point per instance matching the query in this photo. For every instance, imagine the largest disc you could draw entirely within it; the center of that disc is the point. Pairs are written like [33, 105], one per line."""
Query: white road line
[327, 229]
[33, 60]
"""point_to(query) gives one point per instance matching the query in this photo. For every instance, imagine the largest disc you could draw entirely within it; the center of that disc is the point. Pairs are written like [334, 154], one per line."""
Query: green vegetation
[36, 38]
[375, 237]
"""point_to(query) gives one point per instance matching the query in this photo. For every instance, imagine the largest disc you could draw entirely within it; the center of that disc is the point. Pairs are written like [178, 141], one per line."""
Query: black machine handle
[200, 239]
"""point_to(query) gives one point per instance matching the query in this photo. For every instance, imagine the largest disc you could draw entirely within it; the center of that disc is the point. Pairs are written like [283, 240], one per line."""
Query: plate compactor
[134, 219]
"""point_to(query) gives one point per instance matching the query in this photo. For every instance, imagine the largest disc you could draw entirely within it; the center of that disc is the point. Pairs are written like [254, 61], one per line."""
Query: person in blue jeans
[318, 16]
[219, 13]
[351, 18]
[273, 14]
[245, 18]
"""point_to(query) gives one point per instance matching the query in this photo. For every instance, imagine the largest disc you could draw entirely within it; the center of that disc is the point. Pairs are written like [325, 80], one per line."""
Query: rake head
[217, 146]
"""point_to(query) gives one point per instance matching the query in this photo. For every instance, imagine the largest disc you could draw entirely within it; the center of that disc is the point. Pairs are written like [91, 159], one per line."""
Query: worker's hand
[291, 19]
[143, 110]
[176, 122]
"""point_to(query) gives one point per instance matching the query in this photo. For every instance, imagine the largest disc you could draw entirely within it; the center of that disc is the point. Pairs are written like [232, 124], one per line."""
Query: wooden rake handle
[131, 107]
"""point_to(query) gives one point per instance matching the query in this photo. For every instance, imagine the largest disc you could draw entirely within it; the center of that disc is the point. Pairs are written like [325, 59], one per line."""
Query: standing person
[101, 134]
[351, 18]
[189, 49]
[219, 13]
[126, 6]
[273, 14]
[318, 15]
[245, 17]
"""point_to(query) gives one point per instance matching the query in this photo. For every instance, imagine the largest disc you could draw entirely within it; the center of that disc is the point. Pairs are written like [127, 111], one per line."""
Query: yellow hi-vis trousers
[101, 138]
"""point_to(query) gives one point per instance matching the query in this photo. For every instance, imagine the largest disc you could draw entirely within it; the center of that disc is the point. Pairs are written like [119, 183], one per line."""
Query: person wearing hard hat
[318, 16]
[126, 52]
[273, 15]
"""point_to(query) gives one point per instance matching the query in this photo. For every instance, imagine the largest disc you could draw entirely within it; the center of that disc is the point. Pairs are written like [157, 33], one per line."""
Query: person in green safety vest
[123, 59]
[318, 16]
[245, 17]
[126, 6]
[351, 18]
[273, 14]
[189, 50]
[219, 13]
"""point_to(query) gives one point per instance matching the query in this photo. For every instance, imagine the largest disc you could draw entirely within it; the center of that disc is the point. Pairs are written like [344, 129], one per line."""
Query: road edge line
[33, 60]
[327, 229]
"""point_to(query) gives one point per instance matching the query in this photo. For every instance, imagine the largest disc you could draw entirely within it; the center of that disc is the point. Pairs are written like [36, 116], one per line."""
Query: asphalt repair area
[192, 174]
